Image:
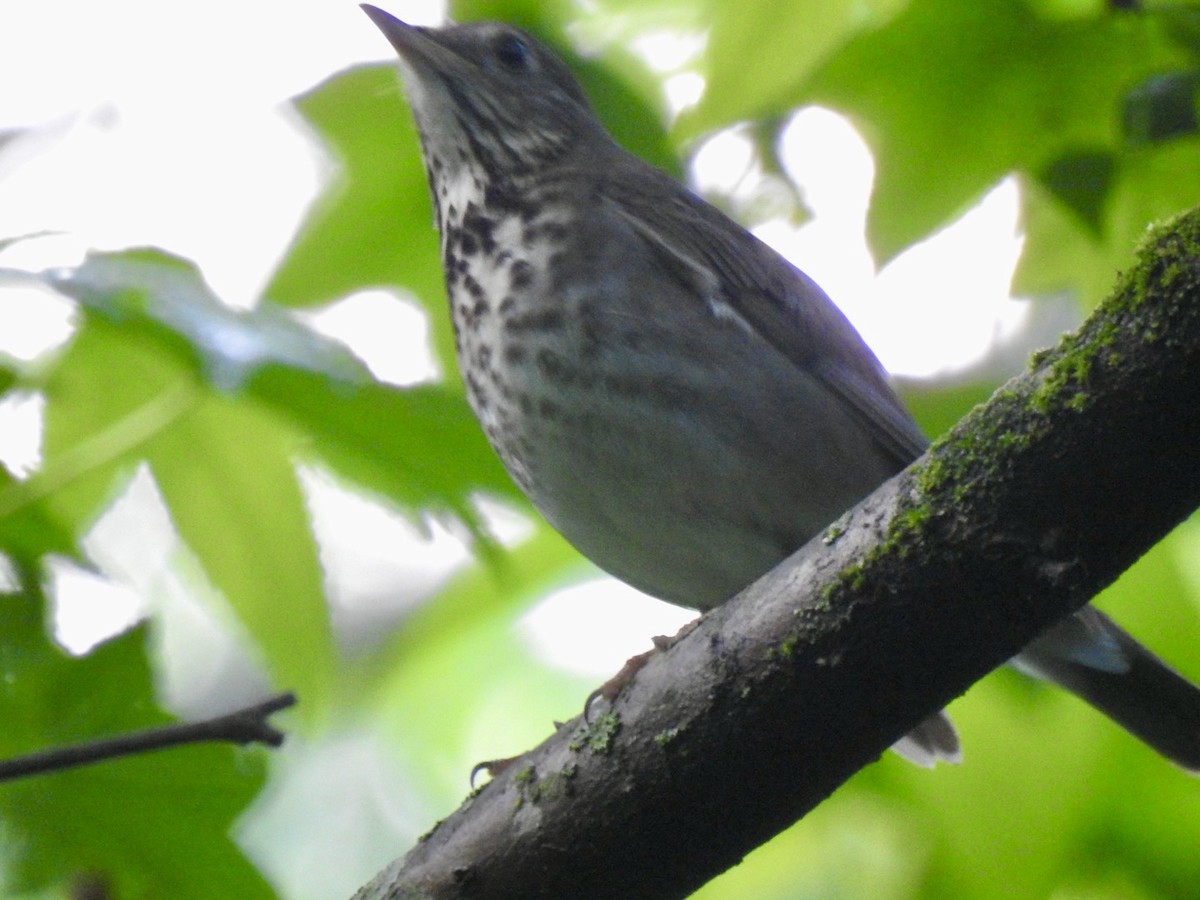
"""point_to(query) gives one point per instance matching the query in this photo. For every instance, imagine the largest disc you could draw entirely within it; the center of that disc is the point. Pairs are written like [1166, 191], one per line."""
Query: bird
[682, 403]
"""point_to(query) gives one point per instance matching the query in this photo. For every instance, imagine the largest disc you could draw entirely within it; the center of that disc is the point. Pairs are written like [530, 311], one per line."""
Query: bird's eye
[513, 52]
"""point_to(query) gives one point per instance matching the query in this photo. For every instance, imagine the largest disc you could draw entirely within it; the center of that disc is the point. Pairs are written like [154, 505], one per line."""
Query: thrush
[677, 399]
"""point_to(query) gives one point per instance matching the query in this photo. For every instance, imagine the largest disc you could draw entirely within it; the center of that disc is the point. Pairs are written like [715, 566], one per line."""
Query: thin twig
[243, 726]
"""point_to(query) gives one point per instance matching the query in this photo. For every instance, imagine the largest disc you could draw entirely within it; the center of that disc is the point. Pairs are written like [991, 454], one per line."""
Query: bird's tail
[1092, 657]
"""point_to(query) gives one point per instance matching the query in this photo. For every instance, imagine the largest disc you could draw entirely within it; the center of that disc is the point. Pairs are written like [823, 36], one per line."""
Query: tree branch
[1029, 507]
[243, 726]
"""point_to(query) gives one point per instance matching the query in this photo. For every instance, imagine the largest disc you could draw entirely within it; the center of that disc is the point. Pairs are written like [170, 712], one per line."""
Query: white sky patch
[592, 628]
[940, 305]
[21, 415]
[88, 608]
[388, 333]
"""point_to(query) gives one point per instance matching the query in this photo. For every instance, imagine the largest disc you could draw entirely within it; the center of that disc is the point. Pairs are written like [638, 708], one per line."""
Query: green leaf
[378, 434]
[149, 377]
[420, 446]
[121, 396]
[759, 55]
[143, 826]
[1083, 181]
[953, 96]
[227, 474]
[372, 226]
[1162, 107]
[1147, 185]
[459, 654]
[163, 297]
[28, 530]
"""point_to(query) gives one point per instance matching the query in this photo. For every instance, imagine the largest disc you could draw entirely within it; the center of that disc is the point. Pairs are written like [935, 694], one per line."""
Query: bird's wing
[740, 275]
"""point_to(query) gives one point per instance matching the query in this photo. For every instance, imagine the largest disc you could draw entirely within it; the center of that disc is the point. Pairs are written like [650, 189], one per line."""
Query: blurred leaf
[121, 396]
[28, 531]
[420, 446]
[165, 297]
[1181, 23]
[485, 597]
[393, 440]
[144, 826]
[1147, 185]
[1162, 107]
[937, 407]
[759, 55]
[460, 655]
[1083, 181]
[952, 96]
[372, 226]
[132, 386]
[1058, 254]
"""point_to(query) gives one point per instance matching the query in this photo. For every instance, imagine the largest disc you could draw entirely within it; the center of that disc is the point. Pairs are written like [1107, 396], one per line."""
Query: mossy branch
[1030, 506]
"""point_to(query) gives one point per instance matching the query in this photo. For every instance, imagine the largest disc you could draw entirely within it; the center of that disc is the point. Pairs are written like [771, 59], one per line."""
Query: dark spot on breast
[505, 200]
[544, 319]
[480, 309]
[520, 274]
[475, 389]
[474, 288]
[553, 366]
[514, 354]
[481, 227]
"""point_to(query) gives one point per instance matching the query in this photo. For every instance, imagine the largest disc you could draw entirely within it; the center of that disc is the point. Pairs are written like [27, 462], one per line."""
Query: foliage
[1092, 106]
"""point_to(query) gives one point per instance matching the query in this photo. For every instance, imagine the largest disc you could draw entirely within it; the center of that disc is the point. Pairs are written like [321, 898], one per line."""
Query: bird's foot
[611, 689]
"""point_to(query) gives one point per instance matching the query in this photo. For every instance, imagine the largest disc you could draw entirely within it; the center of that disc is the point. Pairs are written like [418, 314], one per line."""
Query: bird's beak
[418, 47]
[406, 38]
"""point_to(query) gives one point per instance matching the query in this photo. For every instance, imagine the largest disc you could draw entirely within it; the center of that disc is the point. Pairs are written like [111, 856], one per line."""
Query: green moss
[667, 735]
[524, 780]
[534, 789]
[833, 532]
[524, 775]
[597, 735]
[1065, 384]
[555, 785]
